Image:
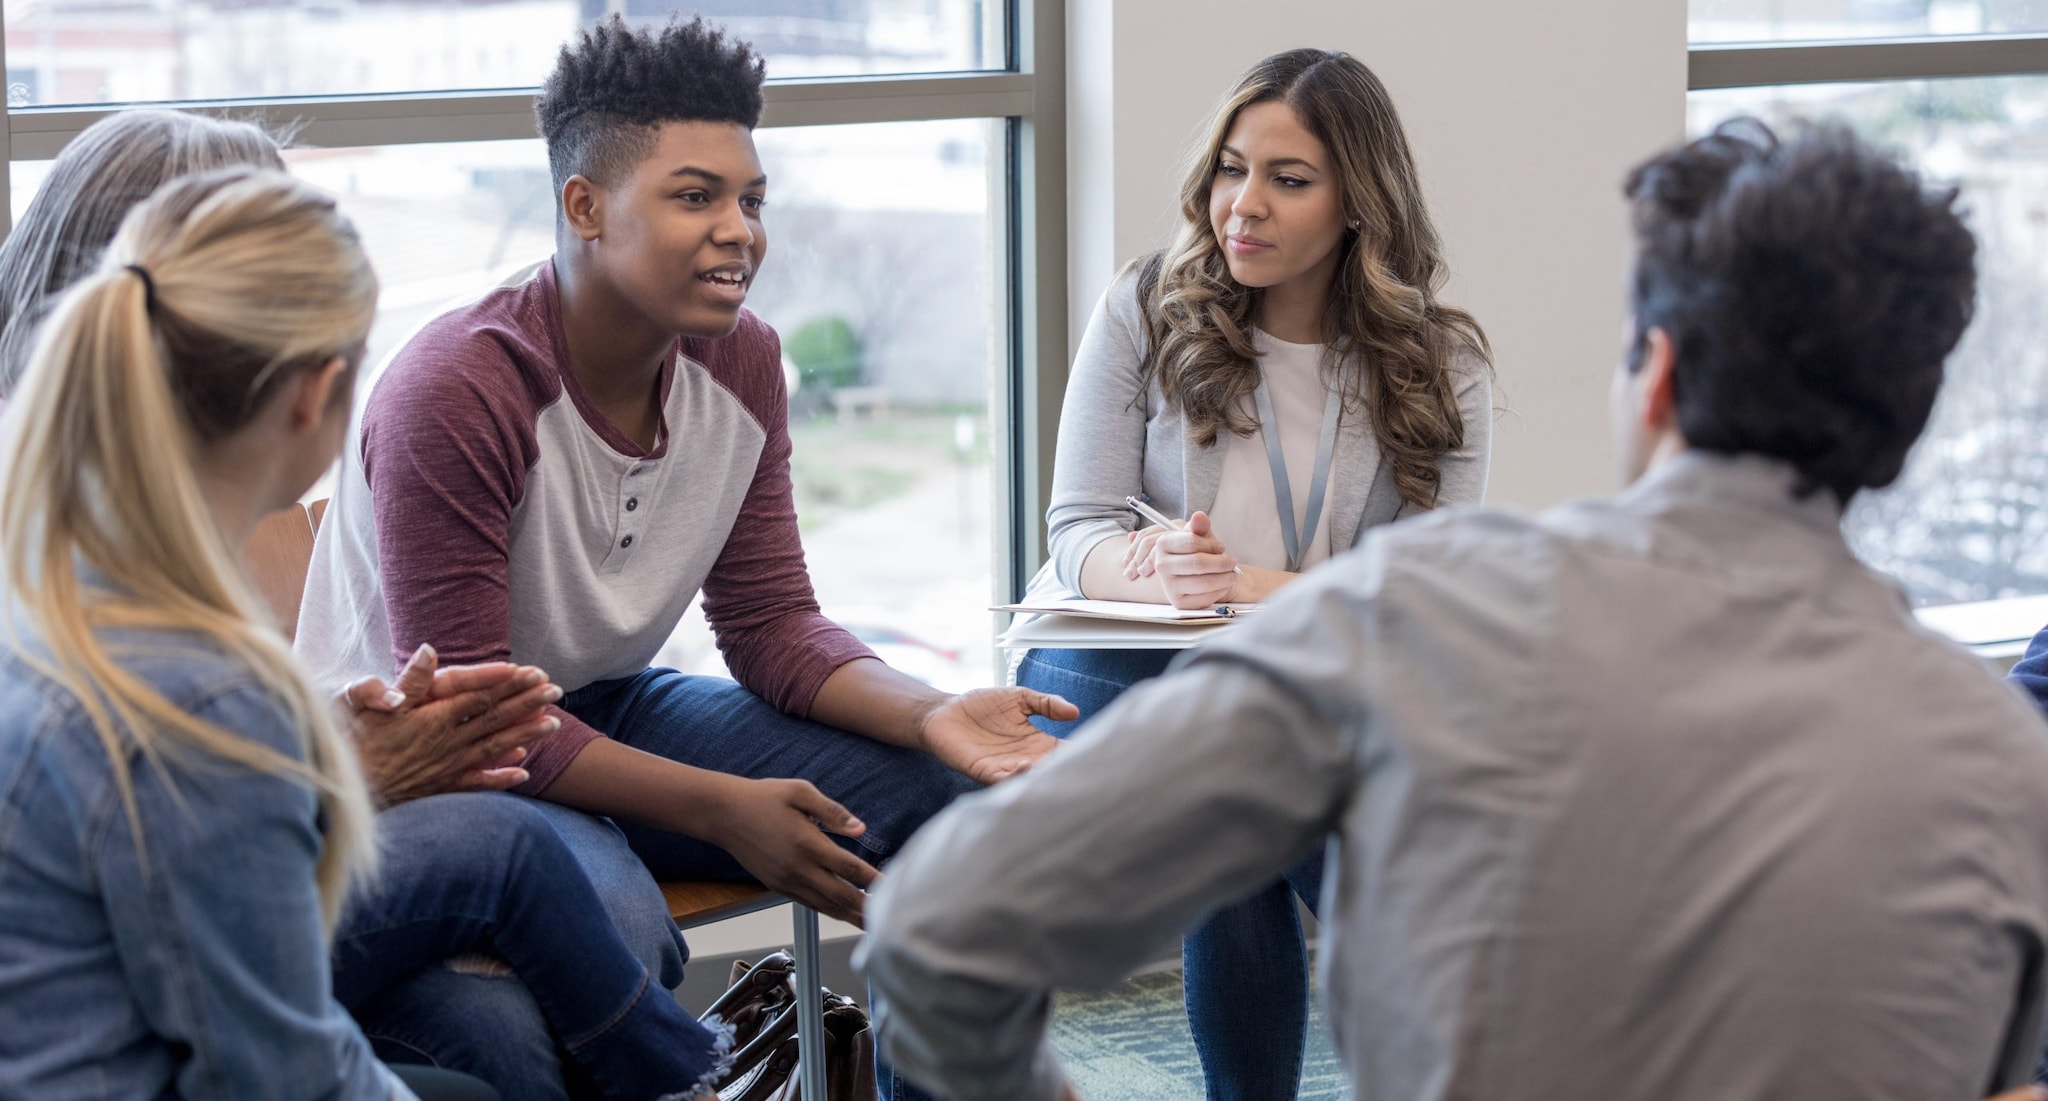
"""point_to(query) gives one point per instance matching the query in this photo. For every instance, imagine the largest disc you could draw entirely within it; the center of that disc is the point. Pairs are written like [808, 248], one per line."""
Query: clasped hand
[1194, 569]
[463, 728]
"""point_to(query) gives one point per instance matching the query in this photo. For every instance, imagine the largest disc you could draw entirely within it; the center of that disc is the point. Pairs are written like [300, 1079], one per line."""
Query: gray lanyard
[1283, 493]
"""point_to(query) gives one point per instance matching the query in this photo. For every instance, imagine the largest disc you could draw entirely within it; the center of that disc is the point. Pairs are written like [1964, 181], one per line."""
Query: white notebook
[1132, 611]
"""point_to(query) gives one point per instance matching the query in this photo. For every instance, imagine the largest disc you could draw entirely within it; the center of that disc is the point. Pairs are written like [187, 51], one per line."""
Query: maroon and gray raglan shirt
[488, 508]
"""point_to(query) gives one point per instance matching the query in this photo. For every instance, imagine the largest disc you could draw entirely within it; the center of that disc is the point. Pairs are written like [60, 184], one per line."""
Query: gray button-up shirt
[1662, 797]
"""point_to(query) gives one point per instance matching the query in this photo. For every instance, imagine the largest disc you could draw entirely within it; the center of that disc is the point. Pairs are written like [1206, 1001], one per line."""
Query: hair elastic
[148, 287]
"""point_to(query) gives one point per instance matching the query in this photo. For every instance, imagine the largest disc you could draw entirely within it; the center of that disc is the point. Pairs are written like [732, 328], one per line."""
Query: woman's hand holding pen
[1192, 565]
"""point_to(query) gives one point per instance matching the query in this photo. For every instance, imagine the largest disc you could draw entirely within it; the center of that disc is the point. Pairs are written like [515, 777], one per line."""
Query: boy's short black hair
[615, 83]
[1811, 287]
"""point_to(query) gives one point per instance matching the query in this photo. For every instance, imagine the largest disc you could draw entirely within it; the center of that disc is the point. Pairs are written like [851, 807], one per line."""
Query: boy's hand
[987, 734]
[776, 830]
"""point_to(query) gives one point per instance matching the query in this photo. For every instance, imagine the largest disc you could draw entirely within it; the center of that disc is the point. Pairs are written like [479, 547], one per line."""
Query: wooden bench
[278, 556]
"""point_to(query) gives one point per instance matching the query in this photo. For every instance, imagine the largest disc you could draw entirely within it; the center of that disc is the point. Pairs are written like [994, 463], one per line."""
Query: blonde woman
[1284, 377]
[447, 855]
[179, 816]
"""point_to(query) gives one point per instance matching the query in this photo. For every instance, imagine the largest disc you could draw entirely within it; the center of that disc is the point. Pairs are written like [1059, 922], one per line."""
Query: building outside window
[1948, 85]
[901, 244]
[68, 52]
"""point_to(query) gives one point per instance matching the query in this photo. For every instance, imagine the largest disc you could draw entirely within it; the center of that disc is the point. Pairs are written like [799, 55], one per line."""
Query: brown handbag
[760, 1005]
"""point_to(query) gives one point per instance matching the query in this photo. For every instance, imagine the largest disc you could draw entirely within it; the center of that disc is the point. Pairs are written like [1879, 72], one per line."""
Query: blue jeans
[431, 1084]
[497, 874]
[1245, 968]
[715, 724]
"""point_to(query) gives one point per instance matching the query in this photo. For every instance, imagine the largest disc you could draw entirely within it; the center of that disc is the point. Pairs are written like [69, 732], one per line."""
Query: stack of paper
[1132, 611]
[1114, 624]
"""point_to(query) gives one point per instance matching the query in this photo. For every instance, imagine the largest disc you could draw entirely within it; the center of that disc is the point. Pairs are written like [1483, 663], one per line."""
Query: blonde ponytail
[213, 294]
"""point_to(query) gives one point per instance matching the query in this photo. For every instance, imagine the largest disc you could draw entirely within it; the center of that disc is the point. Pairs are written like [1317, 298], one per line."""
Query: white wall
[1524, 116]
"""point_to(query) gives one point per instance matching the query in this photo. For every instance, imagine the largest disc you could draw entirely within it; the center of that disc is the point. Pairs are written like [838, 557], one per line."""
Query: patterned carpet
[1131, 1044]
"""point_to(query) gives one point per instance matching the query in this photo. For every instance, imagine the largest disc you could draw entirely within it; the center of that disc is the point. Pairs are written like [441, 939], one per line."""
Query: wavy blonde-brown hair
[252, 278]
[1393, 342]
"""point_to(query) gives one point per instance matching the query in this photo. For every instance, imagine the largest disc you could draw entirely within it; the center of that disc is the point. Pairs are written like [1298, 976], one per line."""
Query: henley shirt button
[626, 542]
[632, 503]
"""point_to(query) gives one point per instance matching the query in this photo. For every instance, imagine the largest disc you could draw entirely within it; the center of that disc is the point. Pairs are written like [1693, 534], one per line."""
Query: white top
[1244, 517]
[1119, 435]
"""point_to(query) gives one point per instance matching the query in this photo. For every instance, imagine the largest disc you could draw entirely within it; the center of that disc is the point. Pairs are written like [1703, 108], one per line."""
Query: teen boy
[551, 474]
[1664, 797]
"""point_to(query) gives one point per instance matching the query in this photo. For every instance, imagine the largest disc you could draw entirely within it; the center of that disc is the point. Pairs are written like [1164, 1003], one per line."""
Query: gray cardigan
[1117, 437]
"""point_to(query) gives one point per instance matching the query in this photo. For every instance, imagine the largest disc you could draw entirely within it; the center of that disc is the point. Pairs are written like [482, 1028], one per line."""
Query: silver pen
[1152, 514]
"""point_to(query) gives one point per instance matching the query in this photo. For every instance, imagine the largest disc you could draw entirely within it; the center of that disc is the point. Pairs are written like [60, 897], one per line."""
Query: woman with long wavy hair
[1284, 376]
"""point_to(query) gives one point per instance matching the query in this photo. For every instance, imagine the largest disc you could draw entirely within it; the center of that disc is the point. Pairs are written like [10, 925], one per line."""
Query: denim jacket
[193, 967]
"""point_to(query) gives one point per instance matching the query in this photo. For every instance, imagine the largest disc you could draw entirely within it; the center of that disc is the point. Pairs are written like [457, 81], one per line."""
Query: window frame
[1028, 94]
[1748, 65]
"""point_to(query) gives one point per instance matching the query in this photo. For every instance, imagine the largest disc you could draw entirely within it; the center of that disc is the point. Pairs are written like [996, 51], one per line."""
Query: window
[128, 51]
[1968, 520]
[881, 278]
[909, 238]
[1835, 20]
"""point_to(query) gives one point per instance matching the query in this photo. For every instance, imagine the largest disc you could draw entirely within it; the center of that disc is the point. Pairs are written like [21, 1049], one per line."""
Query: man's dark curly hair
[1811, 287]
[615, 83]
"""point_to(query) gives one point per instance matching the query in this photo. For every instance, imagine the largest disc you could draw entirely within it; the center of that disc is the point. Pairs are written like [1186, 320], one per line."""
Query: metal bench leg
[810, 1002]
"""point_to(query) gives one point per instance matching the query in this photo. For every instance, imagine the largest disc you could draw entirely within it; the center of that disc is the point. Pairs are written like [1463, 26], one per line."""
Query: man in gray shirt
[1662, 797]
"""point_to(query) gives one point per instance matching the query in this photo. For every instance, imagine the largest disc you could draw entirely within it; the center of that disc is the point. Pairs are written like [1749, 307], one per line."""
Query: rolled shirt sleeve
[2030, 673]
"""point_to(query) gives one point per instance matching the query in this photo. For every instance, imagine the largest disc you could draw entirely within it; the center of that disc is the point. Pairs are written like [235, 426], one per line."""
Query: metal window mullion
[6, 138]
[38, 133]
[1038, 274]
[914, 99]
[1887, 59]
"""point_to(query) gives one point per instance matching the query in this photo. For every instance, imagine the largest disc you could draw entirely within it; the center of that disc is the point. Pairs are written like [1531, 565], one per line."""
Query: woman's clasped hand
[1194, 568]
